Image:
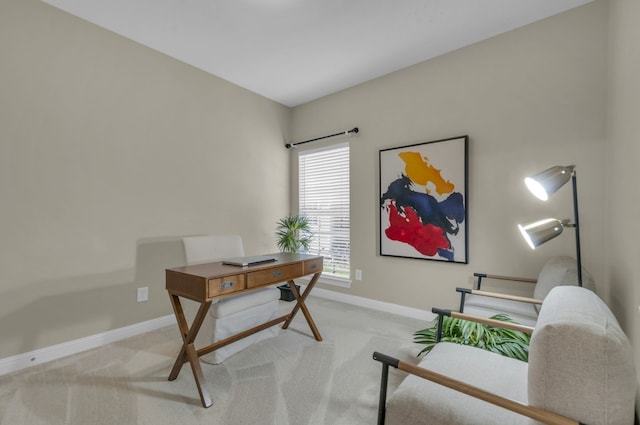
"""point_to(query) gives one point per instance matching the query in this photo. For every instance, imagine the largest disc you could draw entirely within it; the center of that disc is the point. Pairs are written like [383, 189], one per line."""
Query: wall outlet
[358, 274]
[143, 294]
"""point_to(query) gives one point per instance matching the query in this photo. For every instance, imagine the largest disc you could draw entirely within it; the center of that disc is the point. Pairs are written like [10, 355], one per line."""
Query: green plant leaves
[294, 234]
[502, 341]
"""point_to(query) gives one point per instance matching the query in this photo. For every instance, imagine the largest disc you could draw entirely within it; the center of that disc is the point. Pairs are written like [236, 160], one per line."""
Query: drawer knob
[313, 266]
[228, 284]
[277, 274]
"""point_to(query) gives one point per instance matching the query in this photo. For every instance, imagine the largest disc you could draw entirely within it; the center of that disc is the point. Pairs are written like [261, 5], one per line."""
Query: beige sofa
[580, 369]
[557, 271]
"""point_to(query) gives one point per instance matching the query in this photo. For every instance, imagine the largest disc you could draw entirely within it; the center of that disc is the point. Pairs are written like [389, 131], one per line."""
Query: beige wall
[528, 99]
[623, 197]
[109, 152]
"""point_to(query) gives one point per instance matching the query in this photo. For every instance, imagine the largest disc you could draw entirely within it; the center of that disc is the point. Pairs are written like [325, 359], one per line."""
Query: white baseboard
[400, 310]
[43, 355]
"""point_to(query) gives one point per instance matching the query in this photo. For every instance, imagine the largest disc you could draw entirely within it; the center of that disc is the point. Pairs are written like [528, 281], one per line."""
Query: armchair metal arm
[485, 321]
[480, 276]
[465, 291]
[535, 413]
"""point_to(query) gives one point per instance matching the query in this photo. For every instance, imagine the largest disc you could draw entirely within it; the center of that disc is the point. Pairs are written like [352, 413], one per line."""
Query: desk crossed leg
[300, 305]
[188, 351]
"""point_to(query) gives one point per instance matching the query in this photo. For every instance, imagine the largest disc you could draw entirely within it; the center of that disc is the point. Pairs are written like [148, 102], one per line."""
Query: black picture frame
[423, 200]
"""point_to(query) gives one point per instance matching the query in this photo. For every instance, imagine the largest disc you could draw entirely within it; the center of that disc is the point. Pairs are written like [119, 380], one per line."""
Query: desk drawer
[225, 285]
[274, 275]
[313, 266]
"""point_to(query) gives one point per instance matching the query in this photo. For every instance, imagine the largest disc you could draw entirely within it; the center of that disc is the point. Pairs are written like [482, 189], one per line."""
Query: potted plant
[294, 236]
[507, 342]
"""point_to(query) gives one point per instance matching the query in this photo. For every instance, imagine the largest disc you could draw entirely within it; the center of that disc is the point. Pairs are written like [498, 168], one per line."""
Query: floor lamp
[543, 185]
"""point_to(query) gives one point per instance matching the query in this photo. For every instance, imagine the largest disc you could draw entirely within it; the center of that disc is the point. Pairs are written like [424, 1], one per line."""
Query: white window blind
[324, 200]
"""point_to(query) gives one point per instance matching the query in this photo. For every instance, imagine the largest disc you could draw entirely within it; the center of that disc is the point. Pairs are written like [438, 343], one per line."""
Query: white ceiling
[295, 51]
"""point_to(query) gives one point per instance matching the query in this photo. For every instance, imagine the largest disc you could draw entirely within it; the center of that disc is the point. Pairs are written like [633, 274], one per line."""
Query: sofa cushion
[418, 401]
[580, 362]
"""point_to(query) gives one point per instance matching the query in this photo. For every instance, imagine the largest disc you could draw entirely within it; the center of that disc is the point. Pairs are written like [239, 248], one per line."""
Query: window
[324, 200]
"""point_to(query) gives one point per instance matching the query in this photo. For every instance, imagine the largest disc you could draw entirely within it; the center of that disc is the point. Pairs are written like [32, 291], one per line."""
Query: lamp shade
[547, 182]
[542, 231]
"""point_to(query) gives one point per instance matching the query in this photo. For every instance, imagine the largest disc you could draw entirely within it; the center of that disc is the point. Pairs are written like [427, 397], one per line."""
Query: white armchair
[580, 370]
[234, 314]
[557, 271]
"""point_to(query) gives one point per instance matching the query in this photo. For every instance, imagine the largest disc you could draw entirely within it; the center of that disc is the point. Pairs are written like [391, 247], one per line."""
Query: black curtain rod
[346, 133]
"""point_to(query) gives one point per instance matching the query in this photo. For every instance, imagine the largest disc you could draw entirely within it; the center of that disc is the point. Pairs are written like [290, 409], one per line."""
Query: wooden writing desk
[204, 283]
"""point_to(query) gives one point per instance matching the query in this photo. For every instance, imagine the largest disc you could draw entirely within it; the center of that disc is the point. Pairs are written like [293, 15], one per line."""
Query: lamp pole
[576, 225]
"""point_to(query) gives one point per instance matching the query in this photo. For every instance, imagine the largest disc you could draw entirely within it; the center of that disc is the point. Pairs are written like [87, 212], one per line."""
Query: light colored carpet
[287, 380]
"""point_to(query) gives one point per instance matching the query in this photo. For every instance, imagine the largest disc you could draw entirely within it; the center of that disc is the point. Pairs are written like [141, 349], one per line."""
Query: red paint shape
[408, 228]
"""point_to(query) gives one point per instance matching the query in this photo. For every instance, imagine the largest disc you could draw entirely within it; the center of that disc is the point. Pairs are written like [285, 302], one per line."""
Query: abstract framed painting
[423, 200]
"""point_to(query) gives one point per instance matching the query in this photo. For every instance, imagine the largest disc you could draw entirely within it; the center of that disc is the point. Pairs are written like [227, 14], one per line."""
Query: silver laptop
[249, 261]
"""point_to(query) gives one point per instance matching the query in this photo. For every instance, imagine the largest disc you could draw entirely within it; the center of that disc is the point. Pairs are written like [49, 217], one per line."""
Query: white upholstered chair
[557, 271]
[581, 366]
[233, 314]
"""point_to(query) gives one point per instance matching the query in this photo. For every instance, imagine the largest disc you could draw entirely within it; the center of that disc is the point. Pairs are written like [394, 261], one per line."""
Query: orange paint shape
[421, 172]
